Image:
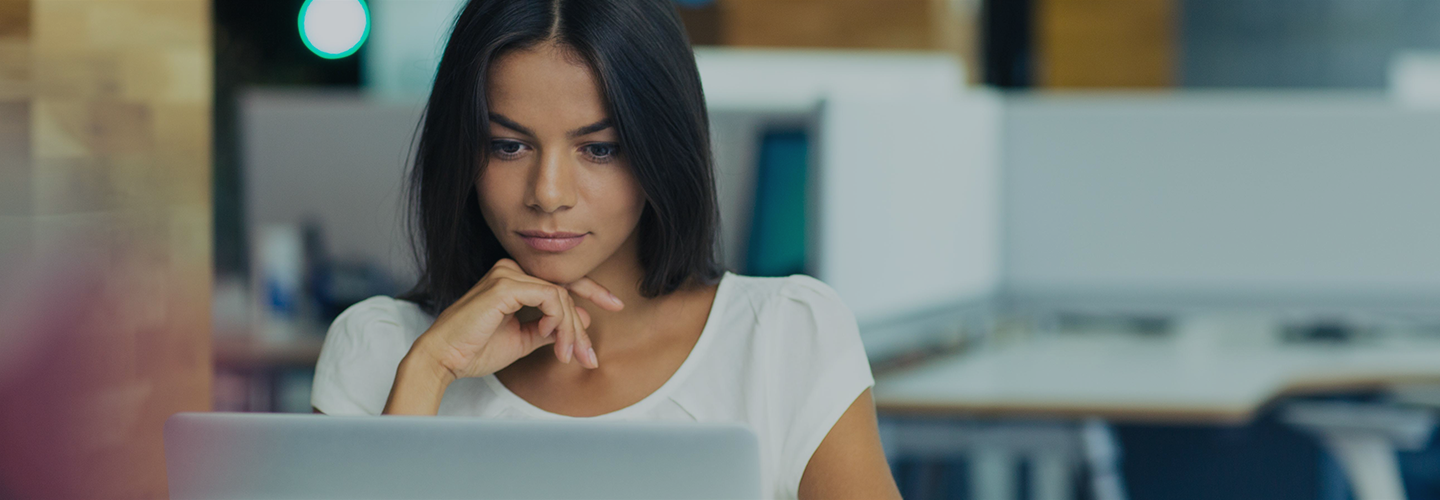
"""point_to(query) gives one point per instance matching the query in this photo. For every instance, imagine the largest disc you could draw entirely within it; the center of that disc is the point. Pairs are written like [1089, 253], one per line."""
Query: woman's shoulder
[796, 290]
[397, 315]
[792, 314]
[805, 364]
[362, 349]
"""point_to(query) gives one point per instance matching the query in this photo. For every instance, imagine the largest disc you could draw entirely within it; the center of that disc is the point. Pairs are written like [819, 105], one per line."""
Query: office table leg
[1368, 459]
[994, 451]
[1102, 453]
[1364, 438]
[992, 473]
[1050, 476]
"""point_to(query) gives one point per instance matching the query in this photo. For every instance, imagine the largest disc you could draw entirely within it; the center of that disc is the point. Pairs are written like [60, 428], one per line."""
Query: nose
[553, 183]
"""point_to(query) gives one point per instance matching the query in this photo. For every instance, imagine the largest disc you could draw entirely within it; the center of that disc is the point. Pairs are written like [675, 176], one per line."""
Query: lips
[559, 241]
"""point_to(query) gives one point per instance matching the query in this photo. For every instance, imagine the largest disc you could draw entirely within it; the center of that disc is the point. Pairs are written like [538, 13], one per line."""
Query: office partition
[1318, 199]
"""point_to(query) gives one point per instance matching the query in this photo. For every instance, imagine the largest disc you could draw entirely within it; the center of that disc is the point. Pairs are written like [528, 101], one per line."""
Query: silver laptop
[278, 456]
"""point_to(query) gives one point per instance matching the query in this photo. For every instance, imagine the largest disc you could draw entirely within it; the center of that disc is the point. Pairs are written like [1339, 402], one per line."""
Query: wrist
[419, 386]
[426, 364]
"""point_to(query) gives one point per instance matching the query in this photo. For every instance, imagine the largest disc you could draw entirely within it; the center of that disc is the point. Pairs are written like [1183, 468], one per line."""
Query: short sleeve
[357, 363]
[822, 364]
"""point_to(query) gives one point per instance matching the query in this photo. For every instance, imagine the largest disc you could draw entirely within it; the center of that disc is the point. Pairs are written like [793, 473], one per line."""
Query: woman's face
[557, 192]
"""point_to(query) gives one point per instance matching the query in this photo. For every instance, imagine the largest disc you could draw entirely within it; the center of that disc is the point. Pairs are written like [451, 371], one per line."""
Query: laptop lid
[297, 456]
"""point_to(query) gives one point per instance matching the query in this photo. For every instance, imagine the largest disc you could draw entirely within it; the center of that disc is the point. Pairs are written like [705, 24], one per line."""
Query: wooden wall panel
[14, 50]
[955, 25]
[875, 24]
[1106, 43]
[111, 100]
[948, 25]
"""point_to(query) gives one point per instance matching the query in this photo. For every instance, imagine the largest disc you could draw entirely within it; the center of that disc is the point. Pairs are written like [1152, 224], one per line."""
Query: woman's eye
[507, 149]
[602, 151]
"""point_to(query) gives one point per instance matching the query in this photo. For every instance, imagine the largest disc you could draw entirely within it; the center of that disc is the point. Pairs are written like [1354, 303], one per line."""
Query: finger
[594, 292]
[546, 326]
[581, 339]
[517, 294]
[537, 340]
[577, 325]
[565, 335]
[504, 268]
[509, 264]
[584, 349]
[501, 268]
[514, 272]
[531, 339]
[564, 324]
[584, 316]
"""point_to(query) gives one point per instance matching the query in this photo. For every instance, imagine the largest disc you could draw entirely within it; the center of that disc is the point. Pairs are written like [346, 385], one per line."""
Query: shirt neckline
[648, 401]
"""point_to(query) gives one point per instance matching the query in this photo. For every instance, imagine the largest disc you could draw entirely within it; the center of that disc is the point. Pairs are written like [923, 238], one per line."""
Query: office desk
[1132, 378]
[1189, 379]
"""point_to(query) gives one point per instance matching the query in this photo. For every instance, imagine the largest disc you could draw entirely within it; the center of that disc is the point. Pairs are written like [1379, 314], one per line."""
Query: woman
[564, 197]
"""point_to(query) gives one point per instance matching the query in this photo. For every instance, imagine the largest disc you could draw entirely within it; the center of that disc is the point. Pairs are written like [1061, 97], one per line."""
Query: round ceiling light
[333, 29]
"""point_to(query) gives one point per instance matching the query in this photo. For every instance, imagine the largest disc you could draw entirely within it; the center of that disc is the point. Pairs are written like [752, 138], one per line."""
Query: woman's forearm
[420, 383]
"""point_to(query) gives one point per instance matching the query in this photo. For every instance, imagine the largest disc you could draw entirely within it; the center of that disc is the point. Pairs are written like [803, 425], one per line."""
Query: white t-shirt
[781, 355]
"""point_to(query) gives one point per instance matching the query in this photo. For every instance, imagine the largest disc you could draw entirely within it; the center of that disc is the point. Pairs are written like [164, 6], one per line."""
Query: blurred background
[1098, 249]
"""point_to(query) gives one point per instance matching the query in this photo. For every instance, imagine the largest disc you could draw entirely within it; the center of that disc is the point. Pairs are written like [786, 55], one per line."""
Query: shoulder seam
[379, 308]
[810, 283]
[754, 301]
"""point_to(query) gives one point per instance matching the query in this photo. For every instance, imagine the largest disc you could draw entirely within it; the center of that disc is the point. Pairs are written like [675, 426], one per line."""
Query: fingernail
[615, 299]
[594, 361]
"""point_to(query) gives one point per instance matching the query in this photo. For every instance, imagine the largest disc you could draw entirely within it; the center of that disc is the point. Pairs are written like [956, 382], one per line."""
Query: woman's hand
[483, 332]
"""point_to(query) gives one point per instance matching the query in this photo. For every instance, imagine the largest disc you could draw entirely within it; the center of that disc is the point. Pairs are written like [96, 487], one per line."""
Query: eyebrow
[586, 130]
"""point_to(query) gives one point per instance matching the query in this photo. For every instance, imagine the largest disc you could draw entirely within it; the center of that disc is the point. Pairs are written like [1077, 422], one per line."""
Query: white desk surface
[1128, 377]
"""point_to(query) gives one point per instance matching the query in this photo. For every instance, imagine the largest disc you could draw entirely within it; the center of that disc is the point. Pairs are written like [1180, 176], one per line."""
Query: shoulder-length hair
[639, 53]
